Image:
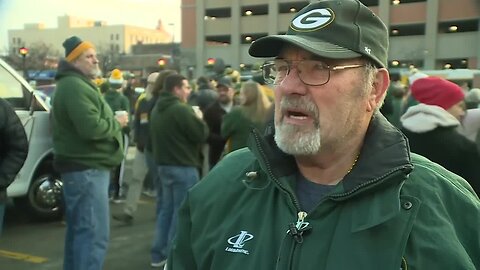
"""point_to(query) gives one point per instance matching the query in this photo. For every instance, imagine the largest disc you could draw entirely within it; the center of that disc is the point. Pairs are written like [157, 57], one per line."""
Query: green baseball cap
[337, 29]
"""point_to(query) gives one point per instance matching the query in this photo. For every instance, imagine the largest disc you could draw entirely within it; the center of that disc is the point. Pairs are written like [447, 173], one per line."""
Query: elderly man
[335, 186]
[87, 143]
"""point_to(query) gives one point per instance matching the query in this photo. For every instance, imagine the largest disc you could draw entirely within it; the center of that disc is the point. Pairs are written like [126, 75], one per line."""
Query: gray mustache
[303, 103]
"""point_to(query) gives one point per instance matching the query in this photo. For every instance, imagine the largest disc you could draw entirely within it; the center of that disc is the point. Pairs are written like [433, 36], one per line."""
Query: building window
[254, 10]
[117, 36]
[399, 2]
[112, 47]
[292, 7]
[218, 40]
[249, 38]
[117, 48]
[214, 13]
[458, 26]
[454, 63]
[407, 30]
[370, 3]
[111, 36]
[405, 64]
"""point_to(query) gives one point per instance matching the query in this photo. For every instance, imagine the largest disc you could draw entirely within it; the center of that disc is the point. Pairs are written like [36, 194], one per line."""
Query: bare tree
[40, 57]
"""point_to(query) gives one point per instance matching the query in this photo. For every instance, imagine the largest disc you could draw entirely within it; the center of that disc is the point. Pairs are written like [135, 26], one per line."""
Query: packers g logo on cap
[313, 19]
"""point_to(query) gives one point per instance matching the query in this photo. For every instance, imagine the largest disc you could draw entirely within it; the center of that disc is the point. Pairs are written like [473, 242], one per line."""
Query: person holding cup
[87, 145]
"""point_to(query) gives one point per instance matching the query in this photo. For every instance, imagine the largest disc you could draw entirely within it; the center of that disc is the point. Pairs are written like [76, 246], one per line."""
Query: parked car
[44, 97]
[37, 186]
[46, 93]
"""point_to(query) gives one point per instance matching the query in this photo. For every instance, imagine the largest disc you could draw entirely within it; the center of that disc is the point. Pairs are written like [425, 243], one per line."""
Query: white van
[37, 187]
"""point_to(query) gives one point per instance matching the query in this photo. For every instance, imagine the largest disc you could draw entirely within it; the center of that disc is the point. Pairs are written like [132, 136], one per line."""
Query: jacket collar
[384, 162]
[385, 152]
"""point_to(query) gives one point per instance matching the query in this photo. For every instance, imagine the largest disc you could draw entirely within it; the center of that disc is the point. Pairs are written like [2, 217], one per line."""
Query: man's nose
[292, 84]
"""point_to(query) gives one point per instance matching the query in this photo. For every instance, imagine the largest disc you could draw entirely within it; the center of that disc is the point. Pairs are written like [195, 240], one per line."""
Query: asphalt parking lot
[27, 244]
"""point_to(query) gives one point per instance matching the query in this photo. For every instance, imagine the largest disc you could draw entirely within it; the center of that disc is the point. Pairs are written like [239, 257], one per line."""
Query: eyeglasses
[310, 72]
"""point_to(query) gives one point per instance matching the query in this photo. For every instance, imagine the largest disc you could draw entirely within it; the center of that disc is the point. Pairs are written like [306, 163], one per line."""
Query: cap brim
[270, 46]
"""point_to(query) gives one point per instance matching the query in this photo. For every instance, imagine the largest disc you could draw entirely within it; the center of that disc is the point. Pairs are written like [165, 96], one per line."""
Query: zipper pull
[296, 229]
[301, 224]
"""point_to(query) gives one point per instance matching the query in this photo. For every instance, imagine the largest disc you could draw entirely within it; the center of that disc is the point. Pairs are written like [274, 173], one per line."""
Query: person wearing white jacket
[432, 128]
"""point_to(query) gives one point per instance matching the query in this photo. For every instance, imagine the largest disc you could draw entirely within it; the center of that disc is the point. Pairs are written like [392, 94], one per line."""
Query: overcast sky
[145, 13]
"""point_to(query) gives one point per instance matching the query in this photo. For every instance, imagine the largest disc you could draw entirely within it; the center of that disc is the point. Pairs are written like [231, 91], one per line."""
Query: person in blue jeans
[178, 133]
[13, 151]
[88, 144]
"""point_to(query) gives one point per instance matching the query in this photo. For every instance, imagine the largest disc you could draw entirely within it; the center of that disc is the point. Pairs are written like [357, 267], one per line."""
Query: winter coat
[432, 133]
[85, 131]
[203, 98]
[394, 210]
[141, 122]
[150, 104]
[177, 133]
[118, 102]
[236, 128]
[213, 116]
[13, 147]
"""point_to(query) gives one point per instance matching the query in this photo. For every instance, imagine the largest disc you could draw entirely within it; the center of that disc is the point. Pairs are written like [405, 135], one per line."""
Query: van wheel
[44, 198]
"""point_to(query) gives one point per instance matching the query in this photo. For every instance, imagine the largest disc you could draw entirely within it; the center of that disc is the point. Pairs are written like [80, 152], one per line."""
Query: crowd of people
[247, 178]
[179, 135]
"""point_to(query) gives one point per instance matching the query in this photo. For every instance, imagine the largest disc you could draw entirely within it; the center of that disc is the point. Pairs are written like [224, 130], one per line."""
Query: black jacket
[13, 147]
[213, 116]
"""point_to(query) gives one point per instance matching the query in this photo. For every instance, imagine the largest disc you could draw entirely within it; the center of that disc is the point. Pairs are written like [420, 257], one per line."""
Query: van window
[13, 91]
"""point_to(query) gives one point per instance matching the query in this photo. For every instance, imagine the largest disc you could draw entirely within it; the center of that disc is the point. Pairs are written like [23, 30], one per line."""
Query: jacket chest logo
[238, 241]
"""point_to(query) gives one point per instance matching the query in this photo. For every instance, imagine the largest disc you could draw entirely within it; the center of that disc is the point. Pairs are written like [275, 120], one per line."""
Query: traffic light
[162, 62]
[23, 51]
[210, 61]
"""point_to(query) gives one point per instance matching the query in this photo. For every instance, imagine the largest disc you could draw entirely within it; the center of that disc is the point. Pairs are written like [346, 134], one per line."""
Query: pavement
[27, 244]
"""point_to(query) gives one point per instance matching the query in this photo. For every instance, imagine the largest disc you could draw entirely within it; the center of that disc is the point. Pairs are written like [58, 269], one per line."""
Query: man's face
[87, 63]
[313, 118]
[184, 91]
[458, 110]
[225, 94]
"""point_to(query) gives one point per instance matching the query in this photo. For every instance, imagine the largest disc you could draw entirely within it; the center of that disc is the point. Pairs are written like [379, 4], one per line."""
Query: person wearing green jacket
[119, 103]
[253, 112]
[332, 185]
[178, 133]
[87, 144]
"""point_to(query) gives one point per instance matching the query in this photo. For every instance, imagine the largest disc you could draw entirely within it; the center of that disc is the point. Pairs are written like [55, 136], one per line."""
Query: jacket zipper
[294, 229]
[272, 176]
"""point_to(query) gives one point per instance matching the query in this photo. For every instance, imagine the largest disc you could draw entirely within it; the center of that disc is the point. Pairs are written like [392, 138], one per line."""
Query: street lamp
[24, 52]
[162, 62]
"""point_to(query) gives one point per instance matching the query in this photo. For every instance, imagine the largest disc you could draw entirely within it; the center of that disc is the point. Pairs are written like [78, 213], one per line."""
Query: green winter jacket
[236, 129]
[117, 101]
[177, 133]
[85, 130]
[395, 210]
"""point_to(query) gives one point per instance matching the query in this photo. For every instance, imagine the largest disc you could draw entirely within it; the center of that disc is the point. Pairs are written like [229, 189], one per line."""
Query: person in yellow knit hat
[87, 143]
[119, 104]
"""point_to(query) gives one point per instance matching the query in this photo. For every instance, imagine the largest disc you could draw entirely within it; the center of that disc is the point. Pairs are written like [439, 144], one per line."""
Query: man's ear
[379, 89]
